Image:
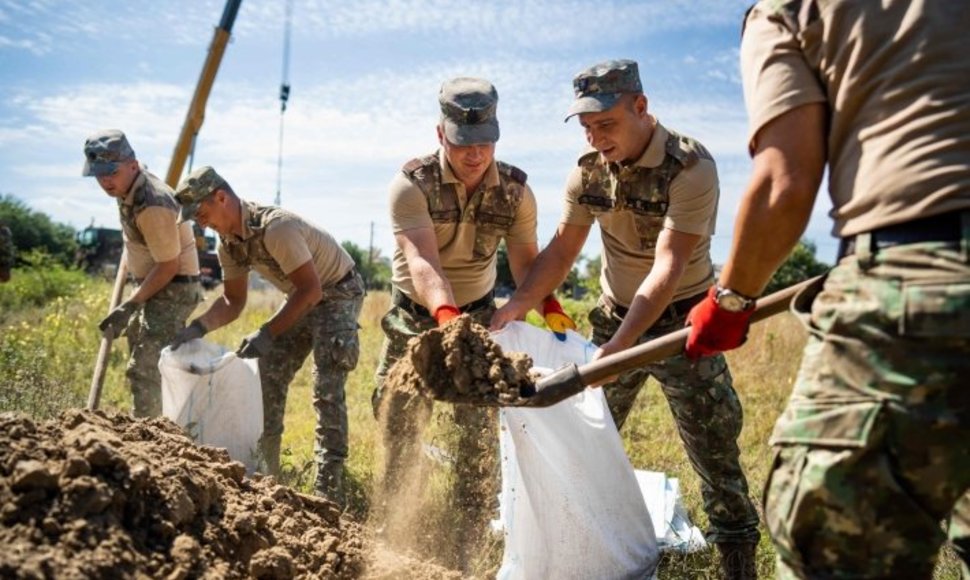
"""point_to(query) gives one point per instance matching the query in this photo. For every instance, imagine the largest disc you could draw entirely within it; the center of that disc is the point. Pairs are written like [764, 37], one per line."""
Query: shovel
[572, 379]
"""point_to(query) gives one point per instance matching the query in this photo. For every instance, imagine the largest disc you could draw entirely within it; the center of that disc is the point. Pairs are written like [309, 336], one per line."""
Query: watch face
[730, 301]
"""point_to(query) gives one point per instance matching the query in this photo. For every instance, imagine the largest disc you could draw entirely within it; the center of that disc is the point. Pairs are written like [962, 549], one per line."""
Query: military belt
[945, 227]
[177, 279]
[347, 277]
[401, 301]
[674, 312]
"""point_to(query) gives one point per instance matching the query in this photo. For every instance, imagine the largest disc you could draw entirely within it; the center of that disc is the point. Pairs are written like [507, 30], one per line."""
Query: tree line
[35, 234]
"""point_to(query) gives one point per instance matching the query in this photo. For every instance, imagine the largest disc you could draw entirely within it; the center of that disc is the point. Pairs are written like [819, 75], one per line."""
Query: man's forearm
[548, 271]
[221, 313]
[430, 285]
[652, 297]
[293, 309]
[158, 277]
[766, 212]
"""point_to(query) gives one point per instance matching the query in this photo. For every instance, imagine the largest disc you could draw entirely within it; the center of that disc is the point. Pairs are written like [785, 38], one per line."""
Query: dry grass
[763, 370]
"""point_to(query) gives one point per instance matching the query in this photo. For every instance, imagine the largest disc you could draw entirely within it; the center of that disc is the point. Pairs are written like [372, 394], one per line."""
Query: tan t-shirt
[470, 277]
[288, 242]
[165, 237]
[896, 79]
[692, 209]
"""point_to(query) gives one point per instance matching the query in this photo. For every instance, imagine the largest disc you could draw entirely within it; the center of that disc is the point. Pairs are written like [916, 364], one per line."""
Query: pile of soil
[459, 363]
[91, 495]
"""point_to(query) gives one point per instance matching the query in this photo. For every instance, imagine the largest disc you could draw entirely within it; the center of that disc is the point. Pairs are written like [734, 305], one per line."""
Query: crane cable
[284, 95]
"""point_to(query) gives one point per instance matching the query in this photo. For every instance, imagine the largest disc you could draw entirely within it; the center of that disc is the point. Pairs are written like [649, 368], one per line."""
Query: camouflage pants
[476, 452]
[708, 416]
[329, 330]
[149, 331]
[873, 449]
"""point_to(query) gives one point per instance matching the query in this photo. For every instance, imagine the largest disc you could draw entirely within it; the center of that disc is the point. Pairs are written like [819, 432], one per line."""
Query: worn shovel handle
[573, 381]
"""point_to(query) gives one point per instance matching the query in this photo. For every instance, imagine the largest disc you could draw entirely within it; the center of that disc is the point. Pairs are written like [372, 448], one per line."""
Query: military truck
[99, 250]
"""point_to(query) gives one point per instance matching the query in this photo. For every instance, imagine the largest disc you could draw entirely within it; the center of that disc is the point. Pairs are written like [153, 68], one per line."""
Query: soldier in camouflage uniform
[161, 257]
[7, 253]
[872, 450]
[654, 193]
[324, 294]
[450, 210]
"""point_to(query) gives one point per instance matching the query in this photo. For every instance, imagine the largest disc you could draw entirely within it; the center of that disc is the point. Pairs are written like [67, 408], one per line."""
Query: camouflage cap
[196, 186]
[468, 111]
[103, 151]
[600, 86]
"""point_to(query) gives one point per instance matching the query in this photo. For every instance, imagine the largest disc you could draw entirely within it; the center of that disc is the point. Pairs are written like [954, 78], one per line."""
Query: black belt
[347, 277]
[944, 227]
[178, 279]
[674, 311]
[400, 300]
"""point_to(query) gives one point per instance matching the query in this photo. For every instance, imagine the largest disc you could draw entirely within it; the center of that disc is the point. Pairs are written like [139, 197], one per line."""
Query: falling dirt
[92, 495]
[459, 363]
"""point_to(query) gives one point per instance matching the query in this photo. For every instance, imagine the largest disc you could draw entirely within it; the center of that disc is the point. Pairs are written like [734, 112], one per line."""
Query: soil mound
[92, 495]
[459, 363]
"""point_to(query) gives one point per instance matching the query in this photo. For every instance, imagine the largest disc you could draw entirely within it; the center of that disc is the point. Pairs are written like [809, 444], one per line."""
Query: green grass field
[47, 355]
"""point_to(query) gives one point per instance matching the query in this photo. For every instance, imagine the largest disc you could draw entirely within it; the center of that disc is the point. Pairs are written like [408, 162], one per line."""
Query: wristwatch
[732, 301]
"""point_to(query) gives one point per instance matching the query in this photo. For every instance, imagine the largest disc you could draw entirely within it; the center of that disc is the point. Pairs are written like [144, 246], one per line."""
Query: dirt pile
[459, 363]
[92, 495]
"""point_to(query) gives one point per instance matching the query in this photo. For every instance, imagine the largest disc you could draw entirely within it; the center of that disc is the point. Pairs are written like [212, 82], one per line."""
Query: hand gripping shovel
[572, 379]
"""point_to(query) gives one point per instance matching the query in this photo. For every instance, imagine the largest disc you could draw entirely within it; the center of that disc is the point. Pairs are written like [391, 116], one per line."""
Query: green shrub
[42, 280]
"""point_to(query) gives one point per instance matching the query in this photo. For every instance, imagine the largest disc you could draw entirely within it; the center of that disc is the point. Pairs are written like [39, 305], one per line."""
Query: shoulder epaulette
[516, 174]
[678, 148]
[587, 158]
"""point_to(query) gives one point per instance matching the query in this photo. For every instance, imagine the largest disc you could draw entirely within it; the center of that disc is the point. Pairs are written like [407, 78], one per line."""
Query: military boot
[330, 482]
[738, 560]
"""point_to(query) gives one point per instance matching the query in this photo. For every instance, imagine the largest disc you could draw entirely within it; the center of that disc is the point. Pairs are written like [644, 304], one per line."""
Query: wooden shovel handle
[101, 364]
[672, 344]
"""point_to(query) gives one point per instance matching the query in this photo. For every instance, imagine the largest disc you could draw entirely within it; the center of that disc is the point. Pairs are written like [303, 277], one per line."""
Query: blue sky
[365, 77]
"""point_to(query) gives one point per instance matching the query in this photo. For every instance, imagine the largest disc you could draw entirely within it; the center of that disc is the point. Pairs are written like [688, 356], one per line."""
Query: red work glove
[713, 329]
[446, 312]
[557, 320]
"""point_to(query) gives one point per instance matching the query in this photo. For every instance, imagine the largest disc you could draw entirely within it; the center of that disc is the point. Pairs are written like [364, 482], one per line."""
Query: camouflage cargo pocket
[832, 422]
[344, 349]
[935, 310]
[487, 239]
[648, 228]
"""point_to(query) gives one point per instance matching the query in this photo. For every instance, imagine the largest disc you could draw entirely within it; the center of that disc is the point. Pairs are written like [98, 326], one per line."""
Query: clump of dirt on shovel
[459, 363]
[92, 495]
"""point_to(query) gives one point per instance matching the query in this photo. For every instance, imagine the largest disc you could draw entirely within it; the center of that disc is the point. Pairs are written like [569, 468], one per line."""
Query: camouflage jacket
[492, 210]
[645, 191]
[251, 251]
[147, 191]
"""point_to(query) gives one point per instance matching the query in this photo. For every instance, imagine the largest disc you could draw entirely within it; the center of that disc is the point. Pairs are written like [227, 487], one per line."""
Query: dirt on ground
[459, 363]
[94, 495]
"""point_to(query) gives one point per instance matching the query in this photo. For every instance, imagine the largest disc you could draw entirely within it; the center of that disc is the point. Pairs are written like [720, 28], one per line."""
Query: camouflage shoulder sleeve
[684, 149]
[588, 159]
[511, 171]
[420, 172]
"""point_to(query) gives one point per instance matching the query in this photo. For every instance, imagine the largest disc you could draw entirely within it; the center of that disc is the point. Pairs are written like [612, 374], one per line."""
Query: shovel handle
[672, 344]
[101, 364]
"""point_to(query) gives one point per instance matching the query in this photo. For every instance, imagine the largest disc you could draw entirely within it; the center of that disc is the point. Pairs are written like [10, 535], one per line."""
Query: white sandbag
[215, 396]
[571, 506]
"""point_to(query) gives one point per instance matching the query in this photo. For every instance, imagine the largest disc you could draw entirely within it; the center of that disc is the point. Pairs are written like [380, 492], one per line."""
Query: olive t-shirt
[470, 276]
[290, 241]
[895, 77]
[692, 209]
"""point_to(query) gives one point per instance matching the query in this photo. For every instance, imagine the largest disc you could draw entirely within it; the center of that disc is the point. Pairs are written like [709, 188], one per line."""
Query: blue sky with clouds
[365, 77]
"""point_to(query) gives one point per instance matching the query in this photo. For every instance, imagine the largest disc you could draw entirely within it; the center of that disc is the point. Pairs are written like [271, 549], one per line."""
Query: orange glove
[713, 329]
[557, 320]
[446, 312]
